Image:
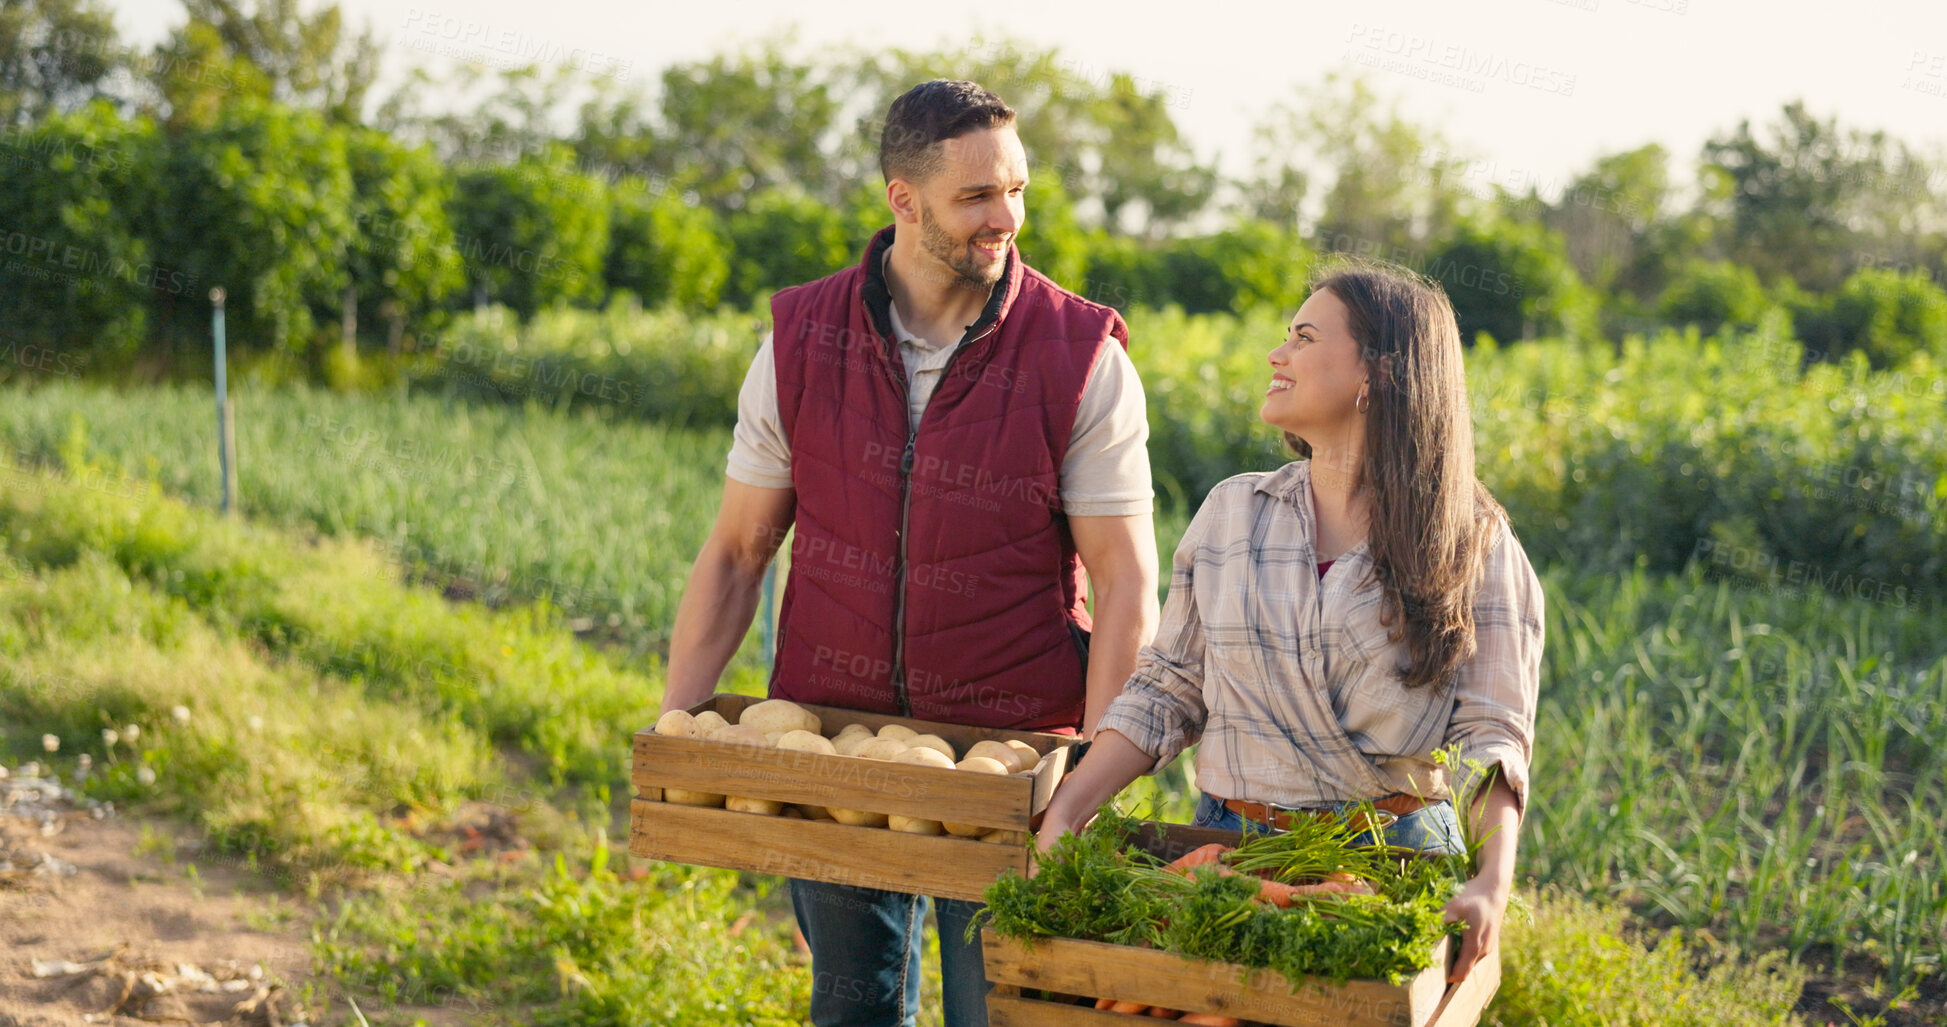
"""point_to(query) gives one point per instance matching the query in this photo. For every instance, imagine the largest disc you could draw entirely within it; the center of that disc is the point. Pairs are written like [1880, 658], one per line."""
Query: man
[955, 439]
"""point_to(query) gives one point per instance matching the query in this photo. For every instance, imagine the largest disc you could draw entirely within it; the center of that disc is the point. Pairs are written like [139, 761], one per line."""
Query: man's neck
[934, 303]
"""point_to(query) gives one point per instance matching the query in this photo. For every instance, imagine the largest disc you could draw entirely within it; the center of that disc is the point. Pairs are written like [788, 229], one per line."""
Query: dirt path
[143, 932]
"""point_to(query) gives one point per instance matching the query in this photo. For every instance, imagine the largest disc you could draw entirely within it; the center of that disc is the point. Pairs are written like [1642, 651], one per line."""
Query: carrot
[1104, 1003]
[1211, 1020]
[1164, 1014]
[1129, 1007]
[1201, 856]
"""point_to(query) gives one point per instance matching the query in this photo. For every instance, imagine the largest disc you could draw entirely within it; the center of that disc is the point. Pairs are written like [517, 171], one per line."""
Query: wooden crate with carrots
[1058, 982]
[960, 829]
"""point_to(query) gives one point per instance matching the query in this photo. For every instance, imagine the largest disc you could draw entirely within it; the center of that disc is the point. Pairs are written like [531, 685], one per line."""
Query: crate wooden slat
[1128, 974]
[825, 851]
[820, 850]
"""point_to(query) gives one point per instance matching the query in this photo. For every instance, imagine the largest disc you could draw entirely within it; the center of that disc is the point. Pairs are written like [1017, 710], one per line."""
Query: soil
[132, 908]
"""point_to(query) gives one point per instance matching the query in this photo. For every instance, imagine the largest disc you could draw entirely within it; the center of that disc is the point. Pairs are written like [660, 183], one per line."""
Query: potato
[854, 728]
[899, 731]
[848, 745]
[685, 797]
[814, 812]
[742, 734]
[763, 806]
[677, 724]
[999, 752]
[982, 765]
[925, 757]
[858, 817]
[1005, 837]
[777, 716]
[881, 748]
[792, 813]
[913, 825]
[977, 765]
[805, 741]
[1029, 757]
[938, 744]
[709, 722]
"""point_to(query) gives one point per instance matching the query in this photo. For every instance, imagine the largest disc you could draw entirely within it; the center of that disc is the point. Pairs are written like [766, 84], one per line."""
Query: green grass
[507, 503]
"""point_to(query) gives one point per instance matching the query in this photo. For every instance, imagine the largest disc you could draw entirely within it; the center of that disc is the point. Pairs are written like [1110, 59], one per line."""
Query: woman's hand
[1481, 904]
[1113, 761]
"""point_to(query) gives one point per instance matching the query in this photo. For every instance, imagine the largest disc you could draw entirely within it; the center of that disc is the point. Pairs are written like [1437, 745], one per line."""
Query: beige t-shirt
[1106, 470]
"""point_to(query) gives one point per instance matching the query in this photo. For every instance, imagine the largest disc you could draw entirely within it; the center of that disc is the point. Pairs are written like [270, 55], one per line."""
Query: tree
[1713, 294]
[403, 261]
[665, 250]
[1388, 185]
[1797, 204]
[747, 123]
[1891, 316]
[783, 237]
[1613, 218]
[532, 234]
[54, 56]
[1512, 280]
[80, 273]
[1108, 136]
[259, 203]
[310, 61]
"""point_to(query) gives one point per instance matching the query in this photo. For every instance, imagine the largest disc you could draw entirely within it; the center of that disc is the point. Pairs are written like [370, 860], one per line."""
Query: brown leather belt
[1280, 817]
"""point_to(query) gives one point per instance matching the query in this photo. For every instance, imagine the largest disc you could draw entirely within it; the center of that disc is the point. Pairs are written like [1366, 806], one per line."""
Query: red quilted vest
[932, 572]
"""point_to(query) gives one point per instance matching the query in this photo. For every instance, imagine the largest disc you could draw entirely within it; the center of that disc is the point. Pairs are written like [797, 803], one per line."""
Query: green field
[1750, 755]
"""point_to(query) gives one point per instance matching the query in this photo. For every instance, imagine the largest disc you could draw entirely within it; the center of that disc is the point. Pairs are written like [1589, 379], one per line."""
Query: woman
[1333, 623]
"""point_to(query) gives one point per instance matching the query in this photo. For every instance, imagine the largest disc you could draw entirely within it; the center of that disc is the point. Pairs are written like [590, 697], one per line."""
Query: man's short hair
[929, 114]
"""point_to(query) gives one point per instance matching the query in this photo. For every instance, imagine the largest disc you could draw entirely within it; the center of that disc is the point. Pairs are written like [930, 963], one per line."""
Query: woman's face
[1316, 374]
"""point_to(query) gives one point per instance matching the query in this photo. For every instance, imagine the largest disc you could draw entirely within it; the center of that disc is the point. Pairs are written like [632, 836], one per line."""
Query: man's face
[974, 204]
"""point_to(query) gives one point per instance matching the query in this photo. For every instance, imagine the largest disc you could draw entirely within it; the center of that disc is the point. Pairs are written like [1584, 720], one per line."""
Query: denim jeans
[1432, 828]
[865, 952]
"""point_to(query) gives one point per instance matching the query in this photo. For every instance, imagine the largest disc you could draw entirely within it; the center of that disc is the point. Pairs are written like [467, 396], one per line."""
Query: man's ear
[904, 201]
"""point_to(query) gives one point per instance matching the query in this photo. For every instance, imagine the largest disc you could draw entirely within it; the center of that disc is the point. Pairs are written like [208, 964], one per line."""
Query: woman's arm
[1113, 762]
[1482, 902]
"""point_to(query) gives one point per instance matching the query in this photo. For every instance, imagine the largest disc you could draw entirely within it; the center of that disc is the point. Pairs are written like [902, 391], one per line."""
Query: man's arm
[721, 597]
[1120, 556]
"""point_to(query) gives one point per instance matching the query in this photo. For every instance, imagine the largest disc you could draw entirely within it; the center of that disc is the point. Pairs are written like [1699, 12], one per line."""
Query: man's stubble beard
[956, 255]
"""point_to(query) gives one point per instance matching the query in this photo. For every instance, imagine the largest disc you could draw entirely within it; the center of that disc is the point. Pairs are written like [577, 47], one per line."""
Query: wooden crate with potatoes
[841, 796]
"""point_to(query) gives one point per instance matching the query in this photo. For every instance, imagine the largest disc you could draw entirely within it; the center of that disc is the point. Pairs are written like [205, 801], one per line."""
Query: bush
[1573, 966]
[532, 234]
[1889, 316]
[1512, 280]
[1711, 295]
[260, 204]
[782, 238]
[403, 259]
[77, 273]
[665, 250]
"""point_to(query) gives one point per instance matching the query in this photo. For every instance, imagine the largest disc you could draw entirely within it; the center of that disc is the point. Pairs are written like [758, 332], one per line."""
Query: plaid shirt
[1289, 679]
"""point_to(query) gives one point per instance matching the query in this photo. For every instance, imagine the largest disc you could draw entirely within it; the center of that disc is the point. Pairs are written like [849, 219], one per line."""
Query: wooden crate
[1065, 966]
[820, 850]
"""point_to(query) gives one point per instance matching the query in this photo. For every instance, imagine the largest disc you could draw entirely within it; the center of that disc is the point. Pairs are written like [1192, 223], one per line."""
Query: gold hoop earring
[1363, 401]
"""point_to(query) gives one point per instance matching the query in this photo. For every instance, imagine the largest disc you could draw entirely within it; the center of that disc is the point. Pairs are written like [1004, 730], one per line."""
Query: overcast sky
[1535, 89]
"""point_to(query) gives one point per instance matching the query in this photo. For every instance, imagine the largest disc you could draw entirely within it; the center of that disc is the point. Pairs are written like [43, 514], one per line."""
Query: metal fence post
[225, 423]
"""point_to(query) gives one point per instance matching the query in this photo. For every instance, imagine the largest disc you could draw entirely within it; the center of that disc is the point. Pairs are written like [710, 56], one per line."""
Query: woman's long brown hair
[1432, 520]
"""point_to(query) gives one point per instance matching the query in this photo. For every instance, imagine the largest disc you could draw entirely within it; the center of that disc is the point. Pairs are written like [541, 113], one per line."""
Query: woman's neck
[1341, 508]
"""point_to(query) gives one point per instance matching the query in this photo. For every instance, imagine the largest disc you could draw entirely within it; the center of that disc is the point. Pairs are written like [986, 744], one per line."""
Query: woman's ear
[1383, 368]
